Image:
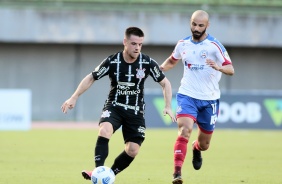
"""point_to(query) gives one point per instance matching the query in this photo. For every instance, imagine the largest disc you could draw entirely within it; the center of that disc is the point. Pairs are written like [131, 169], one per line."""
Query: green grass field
[58, 156]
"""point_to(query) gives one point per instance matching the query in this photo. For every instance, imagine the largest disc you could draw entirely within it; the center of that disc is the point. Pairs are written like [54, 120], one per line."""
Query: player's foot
[86, 174]
[177, 179]
[197, 158]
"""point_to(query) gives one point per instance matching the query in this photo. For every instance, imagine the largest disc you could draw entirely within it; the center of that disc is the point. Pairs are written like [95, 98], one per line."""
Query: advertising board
[244, 111]
[15, 109]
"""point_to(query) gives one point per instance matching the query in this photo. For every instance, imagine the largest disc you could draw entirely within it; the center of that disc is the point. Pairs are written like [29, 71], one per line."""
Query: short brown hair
[133, 31]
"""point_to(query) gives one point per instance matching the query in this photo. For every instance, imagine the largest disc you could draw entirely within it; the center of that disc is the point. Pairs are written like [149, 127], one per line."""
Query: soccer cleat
[86, 174]
[197, 158]
[177, 179]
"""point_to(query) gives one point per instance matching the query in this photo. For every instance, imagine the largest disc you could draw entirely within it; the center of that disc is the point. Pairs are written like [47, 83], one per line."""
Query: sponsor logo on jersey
[128, 92]
[140, 73]
[126, 83]
[115, 61]
[157, 72]
[125, 89]
[194, 66]
[136, 108]
[144, 61]
[101, 70]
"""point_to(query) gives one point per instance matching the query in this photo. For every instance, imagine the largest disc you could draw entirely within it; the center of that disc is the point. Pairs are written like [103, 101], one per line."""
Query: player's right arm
[100, 71]
[173, 59]
[169, 63]
[82, 87]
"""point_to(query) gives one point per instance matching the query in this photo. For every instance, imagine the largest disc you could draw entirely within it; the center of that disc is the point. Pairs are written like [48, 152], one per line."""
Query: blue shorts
[203, 112]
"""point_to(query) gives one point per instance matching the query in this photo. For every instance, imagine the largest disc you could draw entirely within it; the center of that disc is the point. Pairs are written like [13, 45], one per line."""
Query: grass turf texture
[58, 156]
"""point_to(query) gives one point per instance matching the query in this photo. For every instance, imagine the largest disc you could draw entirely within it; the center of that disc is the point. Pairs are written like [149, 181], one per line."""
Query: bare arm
[166, 86]
[226, 69]
[82, 87]
[168, 64]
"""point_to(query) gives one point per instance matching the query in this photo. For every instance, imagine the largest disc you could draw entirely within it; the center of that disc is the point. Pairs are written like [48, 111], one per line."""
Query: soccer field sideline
[63, 125]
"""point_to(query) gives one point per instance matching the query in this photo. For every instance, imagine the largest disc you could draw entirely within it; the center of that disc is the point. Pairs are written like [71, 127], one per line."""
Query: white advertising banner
[15, 109]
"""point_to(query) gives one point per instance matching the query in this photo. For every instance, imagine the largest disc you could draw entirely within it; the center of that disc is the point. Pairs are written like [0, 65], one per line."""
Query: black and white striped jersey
[127, 79]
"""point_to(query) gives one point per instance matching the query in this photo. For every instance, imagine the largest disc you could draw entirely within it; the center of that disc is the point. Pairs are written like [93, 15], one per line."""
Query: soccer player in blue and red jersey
[204, 59]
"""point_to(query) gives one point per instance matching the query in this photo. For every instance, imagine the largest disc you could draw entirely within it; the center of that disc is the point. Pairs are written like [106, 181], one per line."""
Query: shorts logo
[106, 114]
[140, 73]
[179, 109]
[142, 130]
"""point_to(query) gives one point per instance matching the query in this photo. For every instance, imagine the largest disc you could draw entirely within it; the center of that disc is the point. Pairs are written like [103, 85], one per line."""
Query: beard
[197, 35]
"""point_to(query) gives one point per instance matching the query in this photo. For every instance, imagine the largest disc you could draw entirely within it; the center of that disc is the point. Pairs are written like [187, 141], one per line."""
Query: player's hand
[170, 113]
[212, 64]
[68, 104]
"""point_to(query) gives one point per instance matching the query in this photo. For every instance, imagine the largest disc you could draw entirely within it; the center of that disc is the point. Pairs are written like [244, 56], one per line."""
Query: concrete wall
[53, 71]
[49, 51]
[107, 27]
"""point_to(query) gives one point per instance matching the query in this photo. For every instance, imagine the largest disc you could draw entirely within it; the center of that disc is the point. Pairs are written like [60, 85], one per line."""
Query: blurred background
[48, 46]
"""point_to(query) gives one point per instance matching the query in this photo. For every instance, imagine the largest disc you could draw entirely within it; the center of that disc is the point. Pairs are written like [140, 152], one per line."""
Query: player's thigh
[134, 128]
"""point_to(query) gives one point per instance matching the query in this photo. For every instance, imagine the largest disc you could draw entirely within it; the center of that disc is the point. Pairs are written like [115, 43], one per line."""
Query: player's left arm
[167, 92]
[226, 68]
[223, 62]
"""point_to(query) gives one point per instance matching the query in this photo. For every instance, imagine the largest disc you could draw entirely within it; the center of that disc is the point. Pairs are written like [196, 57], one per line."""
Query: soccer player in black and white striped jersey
[125, 105]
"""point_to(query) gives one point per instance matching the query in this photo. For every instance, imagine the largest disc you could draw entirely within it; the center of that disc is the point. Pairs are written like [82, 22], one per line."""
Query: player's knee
[185, 132]
[132, 148]
[132, 151]
[106, 130]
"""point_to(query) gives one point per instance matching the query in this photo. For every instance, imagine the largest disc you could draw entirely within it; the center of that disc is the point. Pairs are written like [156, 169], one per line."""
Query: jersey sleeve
[176, 53]
[102, 69]
[155, 71]
[222, 54]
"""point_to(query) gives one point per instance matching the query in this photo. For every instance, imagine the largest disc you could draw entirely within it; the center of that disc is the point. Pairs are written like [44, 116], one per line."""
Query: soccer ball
[103, 175]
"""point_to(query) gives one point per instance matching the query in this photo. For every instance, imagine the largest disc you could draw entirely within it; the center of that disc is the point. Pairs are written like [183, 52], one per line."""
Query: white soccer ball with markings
[103, 175]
